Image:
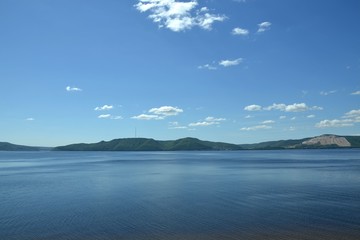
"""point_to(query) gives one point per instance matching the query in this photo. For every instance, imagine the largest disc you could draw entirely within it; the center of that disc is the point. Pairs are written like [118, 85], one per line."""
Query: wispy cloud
[348, 120]
[310, 116]
[73, 89]
[179, 16]
[147, 117]
[335, 123]
[268, 122]
[223, 63]
[353, 115]
[104, 108]
[296, 107]
[30, 119]
[264, 26]
[326, 93]
[356, 93]
[109, 116]
[202, 124]
[104, 116]
[159, 113]
[176, 125]
[166, 111]
[254, 128]
[240, 31]
[229, 63]
[213, 119]
[207, 122]
[253, 107]
[207, 66]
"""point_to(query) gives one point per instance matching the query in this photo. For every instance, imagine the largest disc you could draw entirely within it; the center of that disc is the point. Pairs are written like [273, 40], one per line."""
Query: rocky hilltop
[318, 142]
[326, 140]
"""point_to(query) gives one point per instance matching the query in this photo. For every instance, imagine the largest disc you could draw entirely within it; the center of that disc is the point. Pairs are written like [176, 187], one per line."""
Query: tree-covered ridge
[194, 144]
[5, 146]
[148, 144]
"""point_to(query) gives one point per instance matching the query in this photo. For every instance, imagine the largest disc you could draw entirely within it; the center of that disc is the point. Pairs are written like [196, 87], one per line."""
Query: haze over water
[305, 194]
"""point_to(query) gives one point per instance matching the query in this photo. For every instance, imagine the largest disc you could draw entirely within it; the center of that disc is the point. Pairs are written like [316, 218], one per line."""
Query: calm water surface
[313, 194]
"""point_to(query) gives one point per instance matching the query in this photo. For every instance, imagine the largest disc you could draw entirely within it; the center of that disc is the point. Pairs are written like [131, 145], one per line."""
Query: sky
[238, 71]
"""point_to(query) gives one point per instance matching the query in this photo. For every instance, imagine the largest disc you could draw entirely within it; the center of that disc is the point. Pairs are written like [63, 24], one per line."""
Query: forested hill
[5, 146]
[148, 144]
[193, 144]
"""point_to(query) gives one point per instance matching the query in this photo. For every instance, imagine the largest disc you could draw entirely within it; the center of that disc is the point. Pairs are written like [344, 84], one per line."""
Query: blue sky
[238, 71]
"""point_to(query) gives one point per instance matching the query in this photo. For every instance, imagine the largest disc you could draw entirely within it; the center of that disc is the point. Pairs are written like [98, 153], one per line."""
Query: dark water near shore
[313, 194]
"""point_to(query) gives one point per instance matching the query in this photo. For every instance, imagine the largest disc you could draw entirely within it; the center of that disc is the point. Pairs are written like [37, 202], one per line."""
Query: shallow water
[305, 194]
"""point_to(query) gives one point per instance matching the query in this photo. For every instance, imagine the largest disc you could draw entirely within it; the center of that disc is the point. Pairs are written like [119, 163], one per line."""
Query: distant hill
[319, 142]
[193, 144]
[148, 144]
[5, 146]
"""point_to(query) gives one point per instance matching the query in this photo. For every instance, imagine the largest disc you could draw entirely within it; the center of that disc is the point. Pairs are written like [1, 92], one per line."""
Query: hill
[5, 146]
[319, 142]
[148, 144]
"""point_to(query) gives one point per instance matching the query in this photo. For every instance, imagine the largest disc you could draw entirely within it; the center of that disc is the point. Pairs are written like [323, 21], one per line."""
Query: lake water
[305, 194]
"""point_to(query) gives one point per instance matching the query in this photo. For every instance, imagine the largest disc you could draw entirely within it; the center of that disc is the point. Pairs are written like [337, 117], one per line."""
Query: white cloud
[104, 116]
[276, 106]
[148, 117]
[30, 119]
[311, 116]
[348, 120]
[324, 93]
[73, 89]
[296, 107]
[178, 16]
[254, 128]
[166, 111]
[316, 108]
[159, 113]
[213, 119]
[248, 116]
[103, 108]
[117, 117]
[264, 26]
[335, 123]
[207, 122]
[353, 114]
[240, 31]
[229, 63]
[202, 124]
[176, 125]
[282, 117]
[253, 107]
[207, 66]
[109, 116]
[268, 122]
[290, 129]
[356, 93]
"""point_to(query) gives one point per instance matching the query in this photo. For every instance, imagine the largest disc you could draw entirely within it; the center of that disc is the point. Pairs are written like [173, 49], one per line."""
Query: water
[313, 194]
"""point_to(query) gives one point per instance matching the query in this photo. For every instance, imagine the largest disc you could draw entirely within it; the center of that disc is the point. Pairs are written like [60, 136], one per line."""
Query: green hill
[148, 144]
[5, 146]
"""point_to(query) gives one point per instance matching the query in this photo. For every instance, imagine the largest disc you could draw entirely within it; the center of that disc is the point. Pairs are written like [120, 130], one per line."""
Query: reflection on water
[312, 194]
